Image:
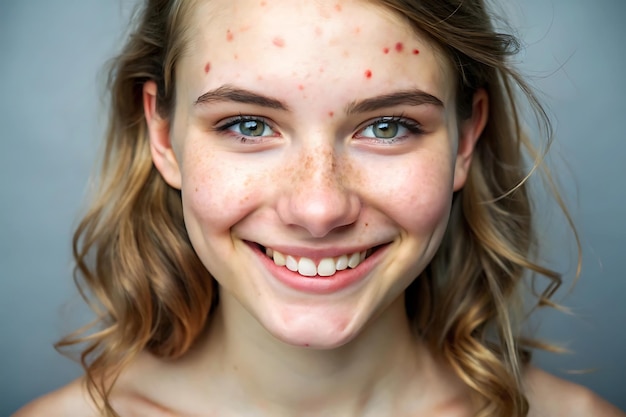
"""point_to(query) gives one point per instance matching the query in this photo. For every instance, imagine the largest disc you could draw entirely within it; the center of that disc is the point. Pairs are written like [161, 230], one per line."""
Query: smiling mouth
[326, 267]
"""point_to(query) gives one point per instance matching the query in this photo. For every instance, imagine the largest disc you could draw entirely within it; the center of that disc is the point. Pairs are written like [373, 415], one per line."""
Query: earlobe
[470, 132]
[161, 149]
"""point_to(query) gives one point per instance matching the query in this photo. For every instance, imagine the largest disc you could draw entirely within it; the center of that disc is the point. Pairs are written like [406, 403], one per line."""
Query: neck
[257, 369]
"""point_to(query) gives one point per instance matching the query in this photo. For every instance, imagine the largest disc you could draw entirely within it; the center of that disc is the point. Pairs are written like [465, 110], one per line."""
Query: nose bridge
[320, 197]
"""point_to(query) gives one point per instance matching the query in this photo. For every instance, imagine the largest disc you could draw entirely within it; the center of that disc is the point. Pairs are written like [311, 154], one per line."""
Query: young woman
[312, 208]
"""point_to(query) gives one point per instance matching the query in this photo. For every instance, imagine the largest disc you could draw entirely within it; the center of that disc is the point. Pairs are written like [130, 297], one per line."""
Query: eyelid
[413, 127]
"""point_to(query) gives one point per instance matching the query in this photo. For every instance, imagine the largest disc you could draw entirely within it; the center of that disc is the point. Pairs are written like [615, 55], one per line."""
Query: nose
[319, 198]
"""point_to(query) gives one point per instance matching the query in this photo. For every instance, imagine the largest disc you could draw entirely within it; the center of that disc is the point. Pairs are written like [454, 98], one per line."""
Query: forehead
[332, 42]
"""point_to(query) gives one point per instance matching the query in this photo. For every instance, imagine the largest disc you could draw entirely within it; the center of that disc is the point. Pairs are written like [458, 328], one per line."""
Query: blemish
[321, 69]
[357, 30]
[278, 41]
[338, 7]
[229, 35]
[236, 57]
[300, 87]
[331, 113]
[318, 31]
[399, 47]
[416, 51]
[207, 68]
[368, 74]
[263, 3]
[385, 50]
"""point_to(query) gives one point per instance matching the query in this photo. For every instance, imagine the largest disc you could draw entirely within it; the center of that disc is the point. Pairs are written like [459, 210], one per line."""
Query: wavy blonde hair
[137, 269]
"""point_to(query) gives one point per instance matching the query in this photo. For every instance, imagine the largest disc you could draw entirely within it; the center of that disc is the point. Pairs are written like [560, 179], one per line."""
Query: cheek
[417, 193]
[217, 194]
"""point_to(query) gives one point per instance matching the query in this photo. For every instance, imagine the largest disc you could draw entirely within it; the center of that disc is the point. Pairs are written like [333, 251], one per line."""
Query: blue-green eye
[249, 127]
[390, 129]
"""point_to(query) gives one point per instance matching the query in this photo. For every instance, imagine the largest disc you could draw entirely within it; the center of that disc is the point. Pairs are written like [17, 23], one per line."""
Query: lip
[318, 284]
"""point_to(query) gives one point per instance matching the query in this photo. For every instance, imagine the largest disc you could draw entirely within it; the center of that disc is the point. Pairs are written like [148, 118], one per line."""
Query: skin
[318, 184]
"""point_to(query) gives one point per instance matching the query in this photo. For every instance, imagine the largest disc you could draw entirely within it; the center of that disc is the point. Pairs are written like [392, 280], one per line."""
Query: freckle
[207, 68]
[338, 7]
[196, 190]
[259, 78]
[280, 42]
[263, 3]
[367, 224]
[300, 87]
[399, 47]
[357, 29]
[236, 57]
[229, 35]
[416, 51]
[385, 50]
[368, 74]
[321, 69]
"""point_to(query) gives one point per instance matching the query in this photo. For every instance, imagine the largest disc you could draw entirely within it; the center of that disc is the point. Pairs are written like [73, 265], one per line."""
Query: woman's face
[317, 149]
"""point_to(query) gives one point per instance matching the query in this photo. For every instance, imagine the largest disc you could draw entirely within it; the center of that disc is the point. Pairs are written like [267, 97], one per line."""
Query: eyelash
[225, 126]
[413, 127]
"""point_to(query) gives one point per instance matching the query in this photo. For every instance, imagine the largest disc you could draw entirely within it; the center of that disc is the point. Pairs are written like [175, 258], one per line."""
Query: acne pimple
[263, 3]
[278, 41]
[368, 74]
[318, 31]
[357, 30]
[399, 46]
[236, 57]
[300, 87]
[229, 35]
[416, 51]
[331, 113]
[385, 50]
[338, 7]
[207, 68]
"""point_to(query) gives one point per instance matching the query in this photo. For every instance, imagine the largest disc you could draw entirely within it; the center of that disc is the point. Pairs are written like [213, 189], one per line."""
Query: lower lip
[317, 284]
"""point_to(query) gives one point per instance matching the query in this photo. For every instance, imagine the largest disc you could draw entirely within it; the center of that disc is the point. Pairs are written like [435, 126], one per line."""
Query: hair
[136, 268]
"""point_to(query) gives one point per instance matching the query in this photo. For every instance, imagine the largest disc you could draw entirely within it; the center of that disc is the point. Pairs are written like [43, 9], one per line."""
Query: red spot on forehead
[385, 50]
[399, 47]
[300, 87]
[263, 3]
[331, 113]
[338, 7]
[368, 74]
[278, 41]
[207, 68]
[416, 51]
[229, 35]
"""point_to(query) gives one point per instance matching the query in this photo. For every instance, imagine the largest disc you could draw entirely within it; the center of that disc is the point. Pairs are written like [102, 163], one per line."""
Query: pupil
[252, 128]
[386, 130]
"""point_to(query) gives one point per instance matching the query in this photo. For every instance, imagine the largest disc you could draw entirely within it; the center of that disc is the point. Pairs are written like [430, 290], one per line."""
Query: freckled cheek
[216, 196]
[418, 199]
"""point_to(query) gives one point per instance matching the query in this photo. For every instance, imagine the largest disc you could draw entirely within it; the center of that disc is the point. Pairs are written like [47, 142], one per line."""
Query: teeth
[326, 268]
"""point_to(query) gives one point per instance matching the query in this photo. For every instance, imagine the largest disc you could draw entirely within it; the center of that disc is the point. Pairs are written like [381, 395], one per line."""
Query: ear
[470, 131]
[159, 133]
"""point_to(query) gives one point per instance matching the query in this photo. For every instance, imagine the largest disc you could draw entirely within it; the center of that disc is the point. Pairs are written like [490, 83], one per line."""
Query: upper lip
[320, 253]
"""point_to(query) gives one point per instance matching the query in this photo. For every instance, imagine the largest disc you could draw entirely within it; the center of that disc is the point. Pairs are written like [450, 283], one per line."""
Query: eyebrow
[238, 95]
[414, 97]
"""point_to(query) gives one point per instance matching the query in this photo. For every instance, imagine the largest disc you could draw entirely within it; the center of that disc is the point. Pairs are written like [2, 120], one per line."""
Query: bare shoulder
[71, 400]
[550, 396]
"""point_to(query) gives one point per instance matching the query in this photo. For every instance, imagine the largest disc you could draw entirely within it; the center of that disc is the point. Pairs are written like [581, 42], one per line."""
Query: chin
[317, 331]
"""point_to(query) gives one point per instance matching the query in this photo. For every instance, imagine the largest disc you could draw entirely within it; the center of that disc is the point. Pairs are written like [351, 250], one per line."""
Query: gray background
[51, 120]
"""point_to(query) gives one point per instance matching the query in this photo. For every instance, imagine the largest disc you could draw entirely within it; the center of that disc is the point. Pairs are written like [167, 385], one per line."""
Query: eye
[250, 127]
[246, 128]
[390, 129]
